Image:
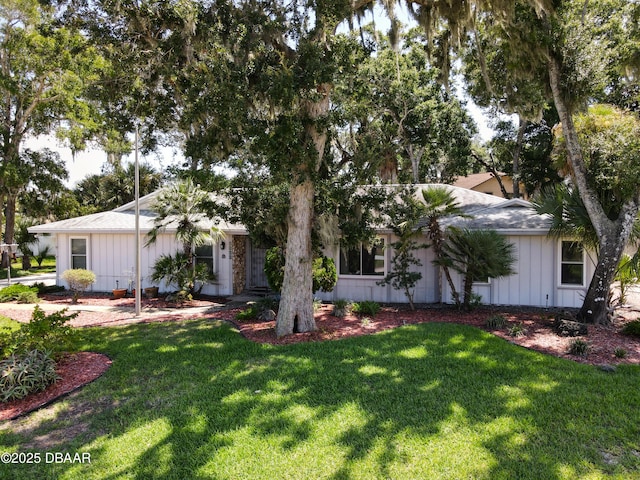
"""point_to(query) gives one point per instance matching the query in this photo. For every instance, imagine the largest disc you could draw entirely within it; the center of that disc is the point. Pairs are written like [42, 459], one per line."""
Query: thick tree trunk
[595, 307]
[295, 313]
[296, 307]
[612, 234]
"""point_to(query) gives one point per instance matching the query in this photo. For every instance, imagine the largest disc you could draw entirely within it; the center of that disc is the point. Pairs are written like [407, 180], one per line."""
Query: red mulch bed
[79, 369]
[603, 340]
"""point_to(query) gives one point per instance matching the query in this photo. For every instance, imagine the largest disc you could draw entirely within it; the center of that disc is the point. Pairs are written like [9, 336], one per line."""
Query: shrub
[366, 308]
[250, 313]
[496, 321]
[43, 332]
[620, 352]
[79, 280]
[579, 347]
[632, 328]
[27, 297]
[341, 308]
[517, 330]
[179, 271]
[13, 292]
[25, 373]
[324, 271]
[42, 288]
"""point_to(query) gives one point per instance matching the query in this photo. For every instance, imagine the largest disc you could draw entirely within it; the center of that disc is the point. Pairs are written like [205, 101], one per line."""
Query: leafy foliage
[325, 275]
[178, 270]
[579, 347]
[496, 322]
[25, 373]
[12, 292]
[50, 333]
[79, 279]
[366, 307]
[632, 328]
[477, 254]
[405, 216]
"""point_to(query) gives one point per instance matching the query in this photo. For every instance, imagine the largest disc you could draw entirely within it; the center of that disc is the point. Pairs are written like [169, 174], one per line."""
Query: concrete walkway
[46, 278]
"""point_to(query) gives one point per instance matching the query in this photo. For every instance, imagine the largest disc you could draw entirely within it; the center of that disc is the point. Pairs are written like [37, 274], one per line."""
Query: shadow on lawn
[196, 400]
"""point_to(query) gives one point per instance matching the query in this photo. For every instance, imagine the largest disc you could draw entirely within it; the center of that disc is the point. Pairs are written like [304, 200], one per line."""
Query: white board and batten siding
[112, 257]
[536, 281]
[362, 288]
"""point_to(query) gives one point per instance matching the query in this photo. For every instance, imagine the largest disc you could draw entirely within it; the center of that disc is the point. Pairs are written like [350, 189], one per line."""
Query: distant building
[487, 183]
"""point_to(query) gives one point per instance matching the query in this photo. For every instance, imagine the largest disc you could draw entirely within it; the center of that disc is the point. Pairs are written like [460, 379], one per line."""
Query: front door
[257, 277]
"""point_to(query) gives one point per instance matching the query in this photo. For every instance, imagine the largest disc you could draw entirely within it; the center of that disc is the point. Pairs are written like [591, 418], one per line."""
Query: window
[79, 253]
[204, 254]
[572, 263]
[363, 260]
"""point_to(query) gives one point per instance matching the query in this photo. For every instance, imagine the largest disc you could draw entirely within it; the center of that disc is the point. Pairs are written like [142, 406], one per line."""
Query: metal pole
[137, 197]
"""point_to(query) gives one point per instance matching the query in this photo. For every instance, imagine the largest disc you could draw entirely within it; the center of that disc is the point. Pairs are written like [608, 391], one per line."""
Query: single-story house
[486, 182]
[550, 273]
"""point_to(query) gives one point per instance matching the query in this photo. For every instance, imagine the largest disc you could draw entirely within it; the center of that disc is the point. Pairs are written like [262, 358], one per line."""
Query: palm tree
[478, 254]
[439, 202]
[184, 204]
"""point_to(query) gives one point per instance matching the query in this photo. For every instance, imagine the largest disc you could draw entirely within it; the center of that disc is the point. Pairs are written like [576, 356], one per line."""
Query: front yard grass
[48, 266]
[196, 400]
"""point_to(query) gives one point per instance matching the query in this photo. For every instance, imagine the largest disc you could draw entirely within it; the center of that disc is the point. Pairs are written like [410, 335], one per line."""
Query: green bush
[496, 321]
[620, 352]
[518, 330]
[579, 347]
[42, 288]
[79, 280]
[632, 328]
[27, 297]
[43, 332]
[324, 271]
[341, 308]
[366, 308]
[179, 270]
[25, 373]
[250, 313]
[13, 292]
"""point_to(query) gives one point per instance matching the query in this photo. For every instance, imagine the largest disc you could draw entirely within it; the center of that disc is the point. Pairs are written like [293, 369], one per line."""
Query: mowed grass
[195, 400]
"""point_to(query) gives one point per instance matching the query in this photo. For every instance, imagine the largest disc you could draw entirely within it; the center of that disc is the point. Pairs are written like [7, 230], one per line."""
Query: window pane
[204, 251]
[571, 274]
[349, 261]
[78, 246]
[208, 262]
[572, 252]
[373, 259]
[79, 262]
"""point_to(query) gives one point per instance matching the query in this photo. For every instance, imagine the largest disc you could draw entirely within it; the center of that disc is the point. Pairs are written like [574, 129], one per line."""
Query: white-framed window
[364, 260]
[205, 254]
[79, 252]
[572, 263]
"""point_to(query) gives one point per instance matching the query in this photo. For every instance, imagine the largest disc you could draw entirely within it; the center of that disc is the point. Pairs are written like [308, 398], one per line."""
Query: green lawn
[48, 266]
[194, 400]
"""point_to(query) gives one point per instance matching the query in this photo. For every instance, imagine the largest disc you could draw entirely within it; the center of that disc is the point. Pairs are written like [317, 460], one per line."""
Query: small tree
[478, 254]
[79, 280]
[402, 277]
[405, 216]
